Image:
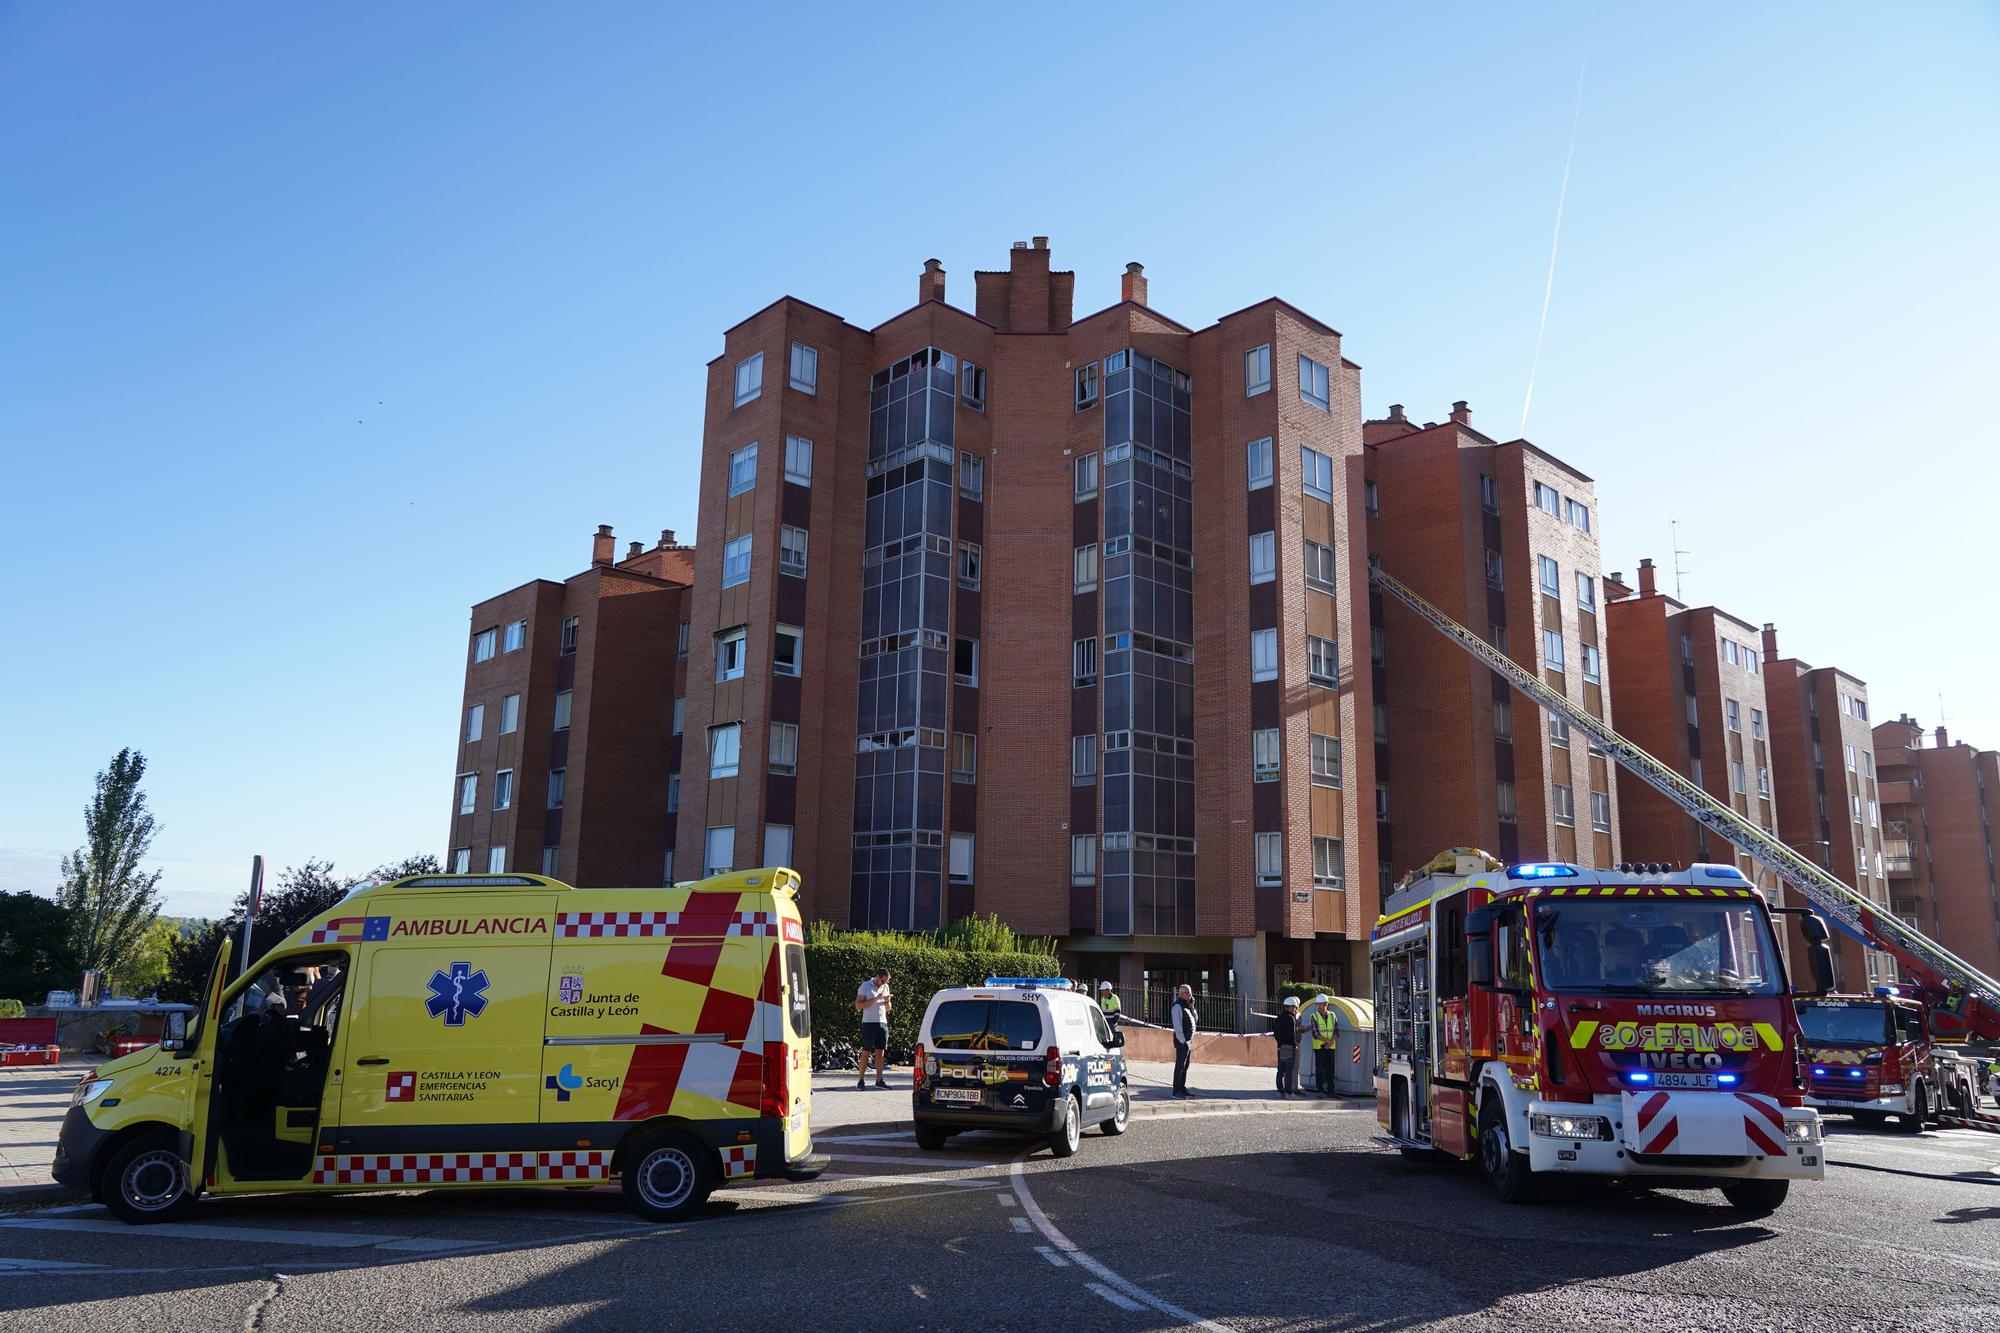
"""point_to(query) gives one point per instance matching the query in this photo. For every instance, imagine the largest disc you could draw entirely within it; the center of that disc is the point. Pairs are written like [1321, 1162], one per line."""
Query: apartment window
[1687, 650]
[805, 368]
[961, 858]
[1693, 710]
[681, 640]
[1578, 514]
[510, 714]
[730, 651]
[1763, 781]
[1503, 720]
[1086, 476]
[558, 779]
[673, 792]
[1750, 660]
[1316, 471]
[1319, 567]
[1593, 664]
[1547, 500]
[1264, 754]
[718, 851]
[1558, 732]
[743, 469]
[1085, 569]
[1600, 811]
[1551, 575]
[1086, 386]
[792, 551]
[736, 561]
[1083, 759]
[1586, 593]
[1732, 715]
[965, 661]
[1263, 557]
[1736, 776]
[516, 637]
[475, 722]
[1868, 765]
[468, 793]
[784, 748]
[971, 476]
[503, 789]
[964, 757]
[1552, 648]
[1270, 859]
[1083, 662]
[1489, 493]
[749, 379]
[1381, 711]
[1325, 760]
[1371, 499]
[725, 749]
[496, 860]
[1854, 806]
[1313, 383]
[562, 710]
[1729, 651]
[549, 858]
[1507, 801]
[1263, 654]
[461, 860]
[680, 714]
[777, 844]
[1694, 770]
[1757, 724]
[788, 651]
[1378, 646]
[1322, 660]
[1562, 799]
[1496, 634]
[1381, 802]
[1875, 814]
[1496, 571]
[1083, 858]
[484, 644]
[1257, 371]
[1328, 864]
[1260, 464]
[972, 385]
[1851, 761]
[968, 565]
[1861, 709]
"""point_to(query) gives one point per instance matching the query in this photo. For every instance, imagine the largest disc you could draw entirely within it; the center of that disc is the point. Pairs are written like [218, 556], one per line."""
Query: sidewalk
[32, 1104]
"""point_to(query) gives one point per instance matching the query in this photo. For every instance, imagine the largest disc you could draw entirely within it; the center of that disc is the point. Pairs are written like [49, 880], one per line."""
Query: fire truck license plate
[1668, 1080]
[956, 1095]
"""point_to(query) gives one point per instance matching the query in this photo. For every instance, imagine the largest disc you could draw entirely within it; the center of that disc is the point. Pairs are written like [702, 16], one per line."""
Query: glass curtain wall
[906, 577]
[1147, 854]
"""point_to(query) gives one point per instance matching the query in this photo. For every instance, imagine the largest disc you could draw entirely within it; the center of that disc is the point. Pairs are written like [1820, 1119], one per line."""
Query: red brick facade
[1940, 806]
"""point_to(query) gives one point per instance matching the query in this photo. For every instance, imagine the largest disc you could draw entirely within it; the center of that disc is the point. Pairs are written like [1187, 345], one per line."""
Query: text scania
[485, 925]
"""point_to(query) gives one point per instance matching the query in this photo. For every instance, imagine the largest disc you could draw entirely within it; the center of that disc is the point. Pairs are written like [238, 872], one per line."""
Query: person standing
[873, 1002]
[1324, 1028]
[1107, 1001]
[1185, 1028]
[1285, 1028]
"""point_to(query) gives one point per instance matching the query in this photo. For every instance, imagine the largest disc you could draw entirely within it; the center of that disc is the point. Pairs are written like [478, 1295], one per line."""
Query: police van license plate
[1666, 1079]
[971, 1095]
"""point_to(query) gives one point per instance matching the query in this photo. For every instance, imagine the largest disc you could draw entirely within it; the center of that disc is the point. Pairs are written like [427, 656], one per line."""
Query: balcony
[1899, 867]
[1897, 793]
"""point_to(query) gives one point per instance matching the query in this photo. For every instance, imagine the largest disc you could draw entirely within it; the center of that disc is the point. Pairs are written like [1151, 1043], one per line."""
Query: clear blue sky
[320, 322]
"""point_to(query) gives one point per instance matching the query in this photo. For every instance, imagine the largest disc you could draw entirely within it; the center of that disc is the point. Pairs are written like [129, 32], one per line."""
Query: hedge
[835, 969]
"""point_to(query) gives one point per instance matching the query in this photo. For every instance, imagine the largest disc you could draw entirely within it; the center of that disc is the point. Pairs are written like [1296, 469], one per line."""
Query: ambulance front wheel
[668, 1176]
[146, 1181]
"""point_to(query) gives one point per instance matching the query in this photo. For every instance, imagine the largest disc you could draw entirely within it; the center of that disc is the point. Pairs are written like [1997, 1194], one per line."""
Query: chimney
[1041, 242]
[1461, 413]
[1647, 586]
[930, 284]
[1943, 741]
[1396, 414]
[1770, 642]
[635, 550]
[666, 537]
[1134, 287]
[602, 546]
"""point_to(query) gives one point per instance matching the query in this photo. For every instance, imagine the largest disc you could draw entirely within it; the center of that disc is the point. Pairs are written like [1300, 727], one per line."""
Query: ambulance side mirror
[173, 1030]
[1479, 947]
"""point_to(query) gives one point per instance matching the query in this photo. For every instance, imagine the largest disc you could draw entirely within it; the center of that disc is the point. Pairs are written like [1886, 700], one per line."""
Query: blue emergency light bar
[1027, 983]
[1541, 870]
[1722, 872]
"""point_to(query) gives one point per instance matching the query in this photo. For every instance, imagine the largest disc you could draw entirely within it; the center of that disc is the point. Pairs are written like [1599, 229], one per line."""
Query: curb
[22, 1196]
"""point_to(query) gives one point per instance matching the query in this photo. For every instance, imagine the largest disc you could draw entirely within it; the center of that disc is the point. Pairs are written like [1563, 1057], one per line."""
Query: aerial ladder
[1947, 983]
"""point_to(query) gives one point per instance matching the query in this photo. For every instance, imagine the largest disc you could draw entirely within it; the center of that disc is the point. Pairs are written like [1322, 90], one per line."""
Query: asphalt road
[1284, 1218]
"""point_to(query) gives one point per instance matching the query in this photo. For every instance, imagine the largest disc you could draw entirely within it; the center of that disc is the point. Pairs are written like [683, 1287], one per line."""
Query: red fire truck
[1551, 1018]
[1874, 1056]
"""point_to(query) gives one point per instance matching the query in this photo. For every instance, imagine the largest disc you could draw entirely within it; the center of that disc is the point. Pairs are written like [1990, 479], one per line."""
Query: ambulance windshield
[1655, 946]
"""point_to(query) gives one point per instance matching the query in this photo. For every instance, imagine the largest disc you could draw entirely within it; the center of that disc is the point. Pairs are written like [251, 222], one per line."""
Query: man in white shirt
[873, 1002]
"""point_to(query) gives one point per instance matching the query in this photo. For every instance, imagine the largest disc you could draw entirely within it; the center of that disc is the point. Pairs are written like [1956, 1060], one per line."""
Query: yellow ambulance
[446, 1031]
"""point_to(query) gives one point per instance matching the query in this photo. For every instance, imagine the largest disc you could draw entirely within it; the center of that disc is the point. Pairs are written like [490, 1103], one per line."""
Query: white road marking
[1052, 1256]
[338, 1240]
[1021, 1223]
[44, 1265]
[1007, 1199]
[1122, 1302]
[1076, 1255]
[863, 1138]
[868, 1182]
[931, 1161]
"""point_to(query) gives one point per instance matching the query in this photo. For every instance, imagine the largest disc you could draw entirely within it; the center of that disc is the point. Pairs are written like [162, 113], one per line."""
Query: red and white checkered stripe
[591, 925]
[739, 1161]
[461, 1168]
[753, 923]
[1657, 1127]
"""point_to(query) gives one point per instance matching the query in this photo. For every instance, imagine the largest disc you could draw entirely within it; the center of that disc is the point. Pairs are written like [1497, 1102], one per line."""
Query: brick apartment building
[949, 559]
[1500, 537]
[1940, 805]
[1690, 685]
[1829, 808]
[543, 661]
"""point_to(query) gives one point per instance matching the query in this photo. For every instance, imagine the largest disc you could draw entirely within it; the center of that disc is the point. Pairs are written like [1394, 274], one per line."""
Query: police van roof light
[1026, 983]
[1541, 870]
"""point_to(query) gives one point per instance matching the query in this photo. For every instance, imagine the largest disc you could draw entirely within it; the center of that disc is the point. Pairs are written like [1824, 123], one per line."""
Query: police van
[1026, 1054]
[447, 1031]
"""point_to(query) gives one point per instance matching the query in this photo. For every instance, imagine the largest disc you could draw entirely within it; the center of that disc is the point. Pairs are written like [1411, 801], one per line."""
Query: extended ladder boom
[1956, 985]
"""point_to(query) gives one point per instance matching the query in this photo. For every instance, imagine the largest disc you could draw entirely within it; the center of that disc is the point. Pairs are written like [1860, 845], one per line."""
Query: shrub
[837, 962]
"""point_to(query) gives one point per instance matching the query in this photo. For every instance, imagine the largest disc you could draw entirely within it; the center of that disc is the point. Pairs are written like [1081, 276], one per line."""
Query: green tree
[36, 951]
[146, 968]
[110, 901]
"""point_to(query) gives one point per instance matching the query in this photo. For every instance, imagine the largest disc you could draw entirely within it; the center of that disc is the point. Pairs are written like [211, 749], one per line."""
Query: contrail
[1549, 286]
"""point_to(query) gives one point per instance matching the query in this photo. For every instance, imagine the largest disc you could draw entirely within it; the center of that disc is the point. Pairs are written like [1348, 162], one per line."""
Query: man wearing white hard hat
[1285, 1028]
[1107, 1000]
[1320, 1021]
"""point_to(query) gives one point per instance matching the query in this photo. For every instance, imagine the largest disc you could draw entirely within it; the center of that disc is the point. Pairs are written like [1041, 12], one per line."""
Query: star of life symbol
[457, 994]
